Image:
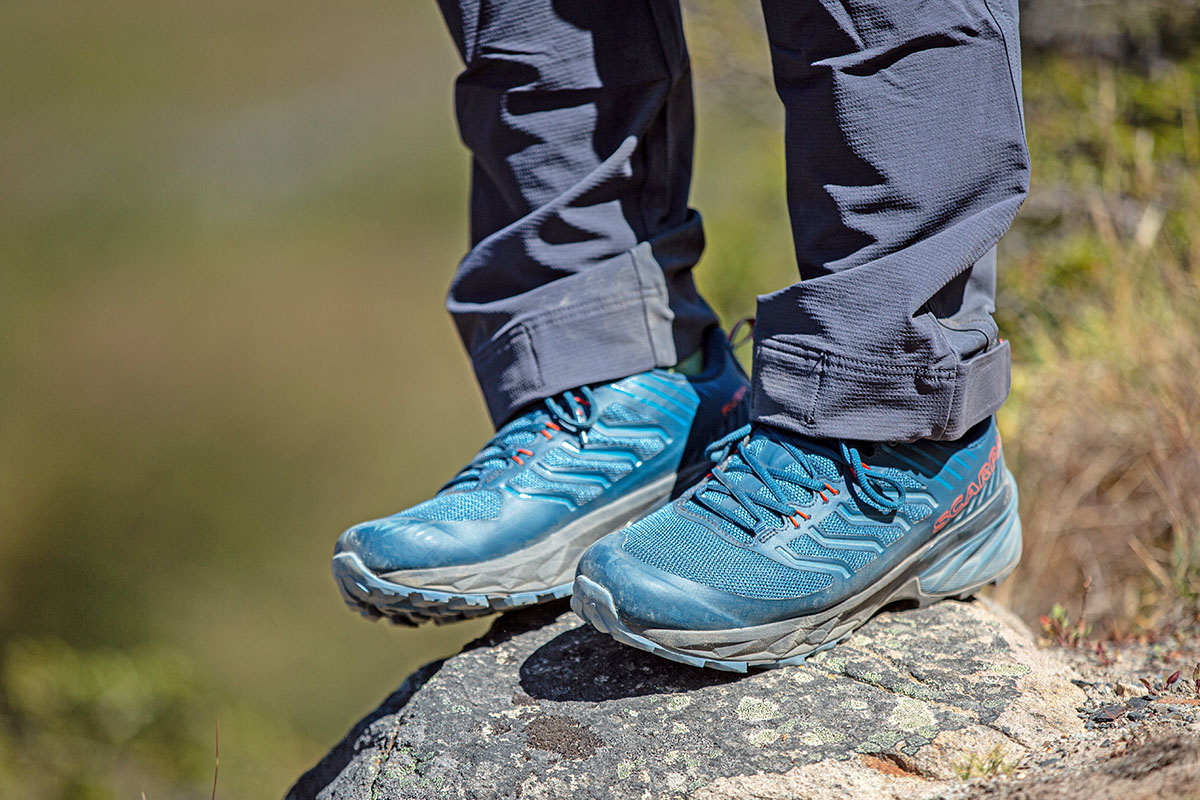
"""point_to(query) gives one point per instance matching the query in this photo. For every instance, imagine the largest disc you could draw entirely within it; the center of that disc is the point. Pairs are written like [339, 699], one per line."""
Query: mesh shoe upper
[799, 522]
[680, 540]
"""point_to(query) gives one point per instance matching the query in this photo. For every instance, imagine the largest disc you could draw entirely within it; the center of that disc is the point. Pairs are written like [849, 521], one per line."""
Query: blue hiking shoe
[791, 543]
[509, 529]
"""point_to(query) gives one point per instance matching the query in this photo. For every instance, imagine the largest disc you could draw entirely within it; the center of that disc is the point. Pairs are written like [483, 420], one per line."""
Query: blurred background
[226, 230]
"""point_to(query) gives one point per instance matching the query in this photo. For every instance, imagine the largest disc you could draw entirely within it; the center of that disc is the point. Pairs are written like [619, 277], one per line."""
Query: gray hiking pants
[906, 162]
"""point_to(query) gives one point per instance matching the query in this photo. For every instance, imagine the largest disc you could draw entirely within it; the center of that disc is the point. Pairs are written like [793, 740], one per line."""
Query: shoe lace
[878, 490]
[573, 411]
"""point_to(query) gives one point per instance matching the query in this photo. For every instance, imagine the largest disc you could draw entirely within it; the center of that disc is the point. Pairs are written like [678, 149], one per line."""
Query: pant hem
[831, 395]
[605, 324]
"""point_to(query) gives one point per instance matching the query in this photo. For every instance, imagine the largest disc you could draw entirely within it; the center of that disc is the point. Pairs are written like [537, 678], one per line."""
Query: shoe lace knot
[574, 411]
[763, 508]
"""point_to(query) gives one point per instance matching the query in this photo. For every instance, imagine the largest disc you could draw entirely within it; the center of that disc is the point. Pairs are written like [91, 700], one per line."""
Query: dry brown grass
[1103, 432]
[1103, 296]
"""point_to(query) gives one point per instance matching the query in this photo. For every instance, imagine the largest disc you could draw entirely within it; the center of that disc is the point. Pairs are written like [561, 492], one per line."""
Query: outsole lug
[374, 598]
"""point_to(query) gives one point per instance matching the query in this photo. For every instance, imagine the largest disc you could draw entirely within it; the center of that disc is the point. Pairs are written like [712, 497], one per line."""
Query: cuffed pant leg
[579, 119]
[906, 164]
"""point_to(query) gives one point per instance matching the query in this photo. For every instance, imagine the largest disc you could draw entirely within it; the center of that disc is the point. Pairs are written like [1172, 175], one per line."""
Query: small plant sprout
[1058, 628]
[1159, 686]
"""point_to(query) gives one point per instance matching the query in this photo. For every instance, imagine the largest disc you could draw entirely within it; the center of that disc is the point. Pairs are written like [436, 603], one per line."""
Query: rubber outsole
[806, 636]
[538, 574]
[595, 606]
[375, 598]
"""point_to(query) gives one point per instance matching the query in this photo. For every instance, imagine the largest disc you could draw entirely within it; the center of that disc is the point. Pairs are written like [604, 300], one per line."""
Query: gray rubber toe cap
[647, 597]
[397, 543]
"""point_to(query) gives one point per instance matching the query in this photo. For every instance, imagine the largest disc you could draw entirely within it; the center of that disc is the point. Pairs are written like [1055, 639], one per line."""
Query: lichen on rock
[544, 706]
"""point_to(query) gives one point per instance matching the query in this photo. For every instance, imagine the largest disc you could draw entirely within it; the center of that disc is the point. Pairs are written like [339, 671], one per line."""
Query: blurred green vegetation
[225, 235]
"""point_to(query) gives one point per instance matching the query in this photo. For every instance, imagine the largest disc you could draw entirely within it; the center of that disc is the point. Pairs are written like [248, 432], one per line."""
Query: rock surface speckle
[545, 707]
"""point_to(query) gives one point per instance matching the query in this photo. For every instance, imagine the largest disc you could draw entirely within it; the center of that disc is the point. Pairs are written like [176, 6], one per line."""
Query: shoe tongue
[769, 452]
[818, 455]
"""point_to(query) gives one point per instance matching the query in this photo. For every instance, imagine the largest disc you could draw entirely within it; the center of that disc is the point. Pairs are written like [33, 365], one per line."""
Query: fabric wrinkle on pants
[579, 118]
[906, 163]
